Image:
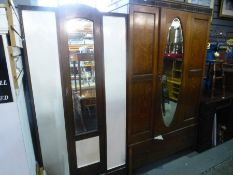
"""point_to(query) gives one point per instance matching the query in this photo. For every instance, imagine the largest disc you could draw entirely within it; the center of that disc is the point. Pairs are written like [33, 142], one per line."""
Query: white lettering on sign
[3, 83]
[4, 98]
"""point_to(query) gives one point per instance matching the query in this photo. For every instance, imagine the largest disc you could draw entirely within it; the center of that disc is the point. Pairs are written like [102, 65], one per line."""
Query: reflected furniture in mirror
[172, 71]
[82, 73]
[84, 97]
[167, 48]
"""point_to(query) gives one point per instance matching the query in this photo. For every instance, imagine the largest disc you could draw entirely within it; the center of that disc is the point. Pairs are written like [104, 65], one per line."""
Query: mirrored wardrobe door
[171, 71]
[82, 72]
[171, 78]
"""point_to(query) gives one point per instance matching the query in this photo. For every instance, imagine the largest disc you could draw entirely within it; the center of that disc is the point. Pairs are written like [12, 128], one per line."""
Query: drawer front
[152, 150]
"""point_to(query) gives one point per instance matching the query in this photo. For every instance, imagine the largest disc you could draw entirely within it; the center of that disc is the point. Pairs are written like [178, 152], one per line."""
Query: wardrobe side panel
[42, 49]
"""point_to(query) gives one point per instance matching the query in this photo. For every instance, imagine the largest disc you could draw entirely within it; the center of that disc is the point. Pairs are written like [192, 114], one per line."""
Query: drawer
[152, 150]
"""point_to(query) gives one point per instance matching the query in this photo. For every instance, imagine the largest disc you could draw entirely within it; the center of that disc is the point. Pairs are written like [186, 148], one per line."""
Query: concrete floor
[215, 161]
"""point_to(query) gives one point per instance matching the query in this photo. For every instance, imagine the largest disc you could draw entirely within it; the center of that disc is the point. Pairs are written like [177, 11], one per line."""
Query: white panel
[42, 48]
[114, 30]
[87, 151]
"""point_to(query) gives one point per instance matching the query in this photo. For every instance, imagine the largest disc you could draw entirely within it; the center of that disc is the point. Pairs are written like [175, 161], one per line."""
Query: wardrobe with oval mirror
[166, 57]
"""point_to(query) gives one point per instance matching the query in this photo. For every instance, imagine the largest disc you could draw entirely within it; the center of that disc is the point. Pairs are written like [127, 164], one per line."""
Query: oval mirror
[172, 72]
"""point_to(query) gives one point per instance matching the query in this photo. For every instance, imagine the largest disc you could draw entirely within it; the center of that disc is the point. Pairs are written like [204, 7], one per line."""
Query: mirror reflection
[82, 73]
[172, 71]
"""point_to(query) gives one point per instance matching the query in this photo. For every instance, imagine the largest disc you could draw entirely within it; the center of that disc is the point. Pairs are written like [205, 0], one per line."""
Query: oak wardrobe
[166, 56]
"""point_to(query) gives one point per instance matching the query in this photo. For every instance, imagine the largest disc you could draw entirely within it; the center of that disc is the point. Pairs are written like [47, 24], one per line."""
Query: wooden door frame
[71, 12]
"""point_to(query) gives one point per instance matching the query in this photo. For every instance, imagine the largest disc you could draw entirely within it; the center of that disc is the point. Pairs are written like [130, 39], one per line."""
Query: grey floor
[215, 161]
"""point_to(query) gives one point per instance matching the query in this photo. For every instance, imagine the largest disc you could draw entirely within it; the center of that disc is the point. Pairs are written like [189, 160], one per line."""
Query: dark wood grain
[199, 27]
[141, 110]
[121, 170]
[165, 4]
[152, 150]
[143, 48]
[198, 39]
[141, 70]
[144, 85]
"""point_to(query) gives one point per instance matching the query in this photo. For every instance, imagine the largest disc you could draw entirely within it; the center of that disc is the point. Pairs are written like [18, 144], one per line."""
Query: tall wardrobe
[75, 61]
[121, 91]
[167, 48]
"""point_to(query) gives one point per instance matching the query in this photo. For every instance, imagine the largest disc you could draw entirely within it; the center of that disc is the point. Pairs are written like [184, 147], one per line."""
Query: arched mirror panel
[82, 73]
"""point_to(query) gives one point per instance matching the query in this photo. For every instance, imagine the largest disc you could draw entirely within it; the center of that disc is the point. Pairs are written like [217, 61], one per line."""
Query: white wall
[42, 48]
[114, 30]
[16, 151]
[13, 158]
[22, 2]
[119, 6]
[3, 21]
[24, 122]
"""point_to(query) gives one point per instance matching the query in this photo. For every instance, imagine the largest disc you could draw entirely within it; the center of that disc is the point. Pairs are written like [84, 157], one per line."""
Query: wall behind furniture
[19, 2]
[220, 24]
[13, 158]
[16, 153]
[22, 2]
